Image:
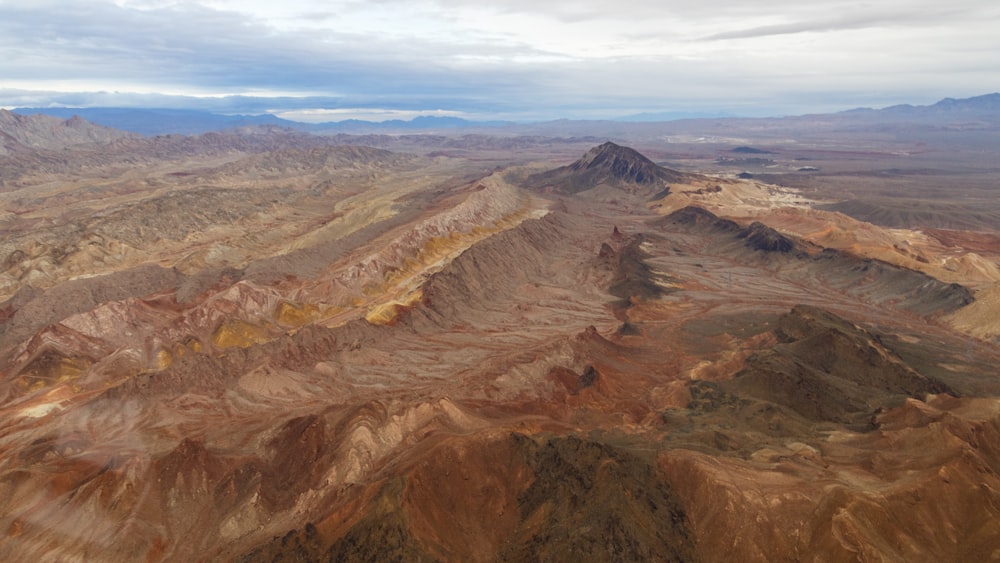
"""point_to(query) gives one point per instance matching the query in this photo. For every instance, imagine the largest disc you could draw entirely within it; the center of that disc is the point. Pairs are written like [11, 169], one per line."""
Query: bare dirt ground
[348, 353]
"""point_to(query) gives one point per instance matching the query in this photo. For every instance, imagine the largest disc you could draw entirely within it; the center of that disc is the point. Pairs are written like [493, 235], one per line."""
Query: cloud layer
[510, 59]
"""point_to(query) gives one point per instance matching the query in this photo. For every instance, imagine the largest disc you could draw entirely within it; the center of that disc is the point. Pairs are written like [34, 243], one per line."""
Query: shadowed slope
[870, 279]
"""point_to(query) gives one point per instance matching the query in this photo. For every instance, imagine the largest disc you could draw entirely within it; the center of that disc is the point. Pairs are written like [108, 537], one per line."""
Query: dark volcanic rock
[583, 500]
[827, 369]
[598, 503]
[633, 277]
[381, 535]
[696, 217]
[761, 237]
[572, 382]
[609, 164]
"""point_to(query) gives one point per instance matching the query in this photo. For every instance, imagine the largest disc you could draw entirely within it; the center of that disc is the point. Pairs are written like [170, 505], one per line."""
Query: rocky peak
[45, 132]
[608, 164]
[619, 163]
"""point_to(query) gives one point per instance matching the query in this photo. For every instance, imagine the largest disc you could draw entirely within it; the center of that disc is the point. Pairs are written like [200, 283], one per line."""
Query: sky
[522, 60]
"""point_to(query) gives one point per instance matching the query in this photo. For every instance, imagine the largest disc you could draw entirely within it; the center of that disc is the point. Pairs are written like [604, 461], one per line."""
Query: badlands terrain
[718, 341]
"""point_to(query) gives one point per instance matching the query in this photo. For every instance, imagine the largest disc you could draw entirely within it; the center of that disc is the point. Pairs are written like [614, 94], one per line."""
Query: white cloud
[321, 115]
[558, 57]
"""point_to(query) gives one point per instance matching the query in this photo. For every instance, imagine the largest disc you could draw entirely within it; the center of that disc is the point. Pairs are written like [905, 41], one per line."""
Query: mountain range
[153, 121]
[20, 132]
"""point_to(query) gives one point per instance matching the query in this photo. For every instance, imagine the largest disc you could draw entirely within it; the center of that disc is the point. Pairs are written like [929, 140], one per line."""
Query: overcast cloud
[515, 59]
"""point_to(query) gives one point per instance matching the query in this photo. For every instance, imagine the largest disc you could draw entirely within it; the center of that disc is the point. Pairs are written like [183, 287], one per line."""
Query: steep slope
[516, 483]
[612, 165]
[826, 369]
[865, 278]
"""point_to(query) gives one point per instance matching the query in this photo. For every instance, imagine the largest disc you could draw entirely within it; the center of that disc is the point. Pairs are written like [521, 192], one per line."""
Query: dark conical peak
[609, 150]
[761, 237]
[609, 164]
[622, 164]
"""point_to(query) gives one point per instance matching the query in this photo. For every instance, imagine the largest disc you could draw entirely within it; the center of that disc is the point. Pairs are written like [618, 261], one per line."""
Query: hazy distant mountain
[160, 121]
[985, 105]
[18, 132]
[423, 122]
[152, 121]
[674, 115]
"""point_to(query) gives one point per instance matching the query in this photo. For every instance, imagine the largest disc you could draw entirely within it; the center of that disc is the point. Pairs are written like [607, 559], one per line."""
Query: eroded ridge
[378, 357]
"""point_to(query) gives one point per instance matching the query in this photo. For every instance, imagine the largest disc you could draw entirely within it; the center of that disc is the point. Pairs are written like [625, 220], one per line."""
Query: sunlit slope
[970, 259]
